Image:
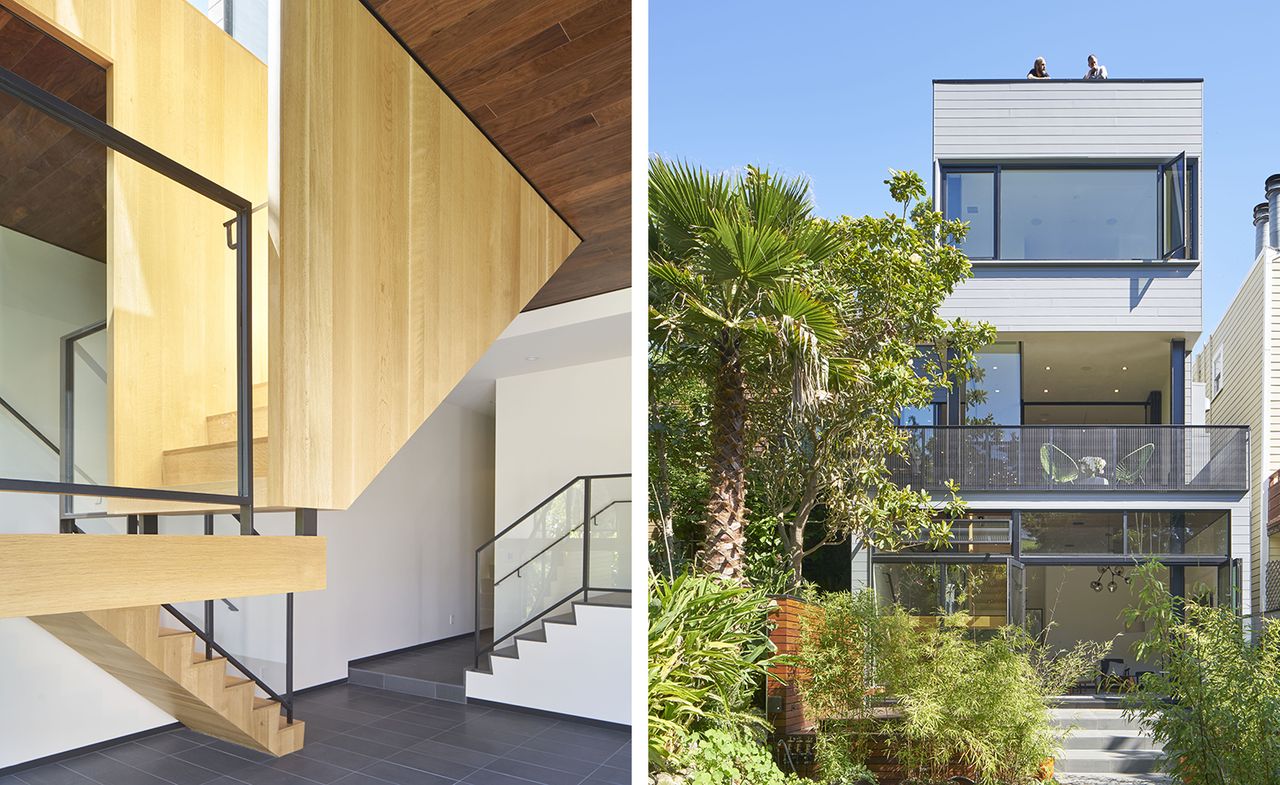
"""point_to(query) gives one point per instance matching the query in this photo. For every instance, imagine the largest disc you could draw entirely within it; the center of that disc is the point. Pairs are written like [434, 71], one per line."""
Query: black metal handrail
[559, 539]
[235, 663]
[547, 500]
[584, 589]
[23, 421]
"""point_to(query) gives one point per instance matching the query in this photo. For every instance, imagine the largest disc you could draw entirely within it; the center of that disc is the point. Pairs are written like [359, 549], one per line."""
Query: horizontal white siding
[1008, 120]
[1081, 298]
[1242, 336]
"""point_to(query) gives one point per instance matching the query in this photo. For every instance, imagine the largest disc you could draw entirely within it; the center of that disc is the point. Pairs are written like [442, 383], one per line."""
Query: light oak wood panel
[179, 84]
[59, 573]
[406, 242]
[161, 665]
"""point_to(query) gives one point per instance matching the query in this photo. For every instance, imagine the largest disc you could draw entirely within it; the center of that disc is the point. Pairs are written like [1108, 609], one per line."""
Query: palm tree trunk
[723, 550]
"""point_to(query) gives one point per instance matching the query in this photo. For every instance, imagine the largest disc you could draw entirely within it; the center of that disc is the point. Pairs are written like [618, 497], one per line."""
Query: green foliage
[829, 319]
[679, 451]
[982, 703]
[1214, 704]
[732, 757]
[708, 645]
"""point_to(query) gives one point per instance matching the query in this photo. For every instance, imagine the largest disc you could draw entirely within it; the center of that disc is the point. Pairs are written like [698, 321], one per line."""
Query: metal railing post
[586, 539]
[244, 366]
[476, 608]
[208, 604]
[288, 657]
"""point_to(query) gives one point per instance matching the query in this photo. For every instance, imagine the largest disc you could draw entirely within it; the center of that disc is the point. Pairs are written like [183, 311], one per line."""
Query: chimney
[1260, 227]
[1273, 211]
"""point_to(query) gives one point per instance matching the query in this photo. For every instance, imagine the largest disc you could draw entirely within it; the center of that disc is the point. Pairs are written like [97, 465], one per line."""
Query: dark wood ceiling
[550, 82]
[53, 181]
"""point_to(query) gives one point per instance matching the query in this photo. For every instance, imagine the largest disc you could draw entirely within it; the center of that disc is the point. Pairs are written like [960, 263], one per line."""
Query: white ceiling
[582, 331]
[1092, 366]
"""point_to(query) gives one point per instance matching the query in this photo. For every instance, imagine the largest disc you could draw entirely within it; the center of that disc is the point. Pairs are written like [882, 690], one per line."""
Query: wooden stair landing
[164, 667]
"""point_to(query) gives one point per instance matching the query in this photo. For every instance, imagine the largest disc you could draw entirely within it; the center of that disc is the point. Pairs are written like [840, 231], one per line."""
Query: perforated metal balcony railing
[1076, 458]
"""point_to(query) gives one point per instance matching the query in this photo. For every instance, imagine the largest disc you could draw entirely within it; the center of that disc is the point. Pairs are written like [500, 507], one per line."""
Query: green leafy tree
[884, 284]
[1214, 701]
[728, 262]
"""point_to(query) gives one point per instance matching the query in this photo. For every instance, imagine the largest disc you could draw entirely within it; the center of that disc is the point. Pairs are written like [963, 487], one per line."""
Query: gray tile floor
[363, 736]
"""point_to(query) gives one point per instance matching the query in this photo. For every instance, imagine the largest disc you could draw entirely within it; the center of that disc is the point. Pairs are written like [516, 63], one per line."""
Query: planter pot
[1045, 772]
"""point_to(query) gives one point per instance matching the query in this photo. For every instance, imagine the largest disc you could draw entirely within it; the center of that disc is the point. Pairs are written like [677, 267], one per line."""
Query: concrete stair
[1102, 741]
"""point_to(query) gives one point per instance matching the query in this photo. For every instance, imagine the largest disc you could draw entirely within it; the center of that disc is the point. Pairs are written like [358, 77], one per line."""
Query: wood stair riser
[209, 463]
[223, 427]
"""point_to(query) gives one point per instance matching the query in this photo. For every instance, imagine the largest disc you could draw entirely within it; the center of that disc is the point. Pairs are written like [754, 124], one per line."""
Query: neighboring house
[1076, 443]
[1237, 366]
[293, 284]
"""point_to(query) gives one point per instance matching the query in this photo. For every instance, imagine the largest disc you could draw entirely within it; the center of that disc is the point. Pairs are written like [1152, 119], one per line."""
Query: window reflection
[971, 197]
[1078, 214]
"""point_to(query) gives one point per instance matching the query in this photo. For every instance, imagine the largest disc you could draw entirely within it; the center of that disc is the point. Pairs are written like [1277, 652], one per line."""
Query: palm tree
[727, 263]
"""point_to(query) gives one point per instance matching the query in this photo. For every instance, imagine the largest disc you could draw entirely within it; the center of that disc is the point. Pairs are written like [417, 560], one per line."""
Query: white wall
[399, 574]
[550, 427]
[581, 669]
[45, 293]
[554, 425]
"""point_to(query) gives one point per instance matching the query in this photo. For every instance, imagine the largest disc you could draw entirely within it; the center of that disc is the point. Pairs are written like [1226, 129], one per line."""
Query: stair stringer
[163, 667]
[582, 668]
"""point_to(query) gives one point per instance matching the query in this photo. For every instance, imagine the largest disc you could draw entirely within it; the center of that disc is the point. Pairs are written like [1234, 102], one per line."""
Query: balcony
[1076, 458]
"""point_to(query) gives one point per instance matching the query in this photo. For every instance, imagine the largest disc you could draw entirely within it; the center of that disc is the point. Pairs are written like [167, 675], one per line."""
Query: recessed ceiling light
[1116, 390]
[997, 391]
[1047, 368]
[1124, 367]
[1046, 389]
[533, 358]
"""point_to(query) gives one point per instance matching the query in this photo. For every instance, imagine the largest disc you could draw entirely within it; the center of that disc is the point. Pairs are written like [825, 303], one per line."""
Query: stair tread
[539, 636]
[257, 441]
[262, 703]
[169, 632]
[230, 681]
[200, 659]
[564, 618]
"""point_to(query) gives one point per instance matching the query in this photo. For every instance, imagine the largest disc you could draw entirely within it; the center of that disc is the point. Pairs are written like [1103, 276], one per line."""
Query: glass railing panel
[543, 583]
[153, 397]
[527, 562]
[610, 533]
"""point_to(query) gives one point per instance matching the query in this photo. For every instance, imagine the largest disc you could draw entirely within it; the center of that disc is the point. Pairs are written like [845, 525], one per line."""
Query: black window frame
[1189, 251]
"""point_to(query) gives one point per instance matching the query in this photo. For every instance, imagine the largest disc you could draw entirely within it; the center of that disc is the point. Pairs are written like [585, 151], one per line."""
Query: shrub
[708, 644]
[1214, 704]
[980, 704]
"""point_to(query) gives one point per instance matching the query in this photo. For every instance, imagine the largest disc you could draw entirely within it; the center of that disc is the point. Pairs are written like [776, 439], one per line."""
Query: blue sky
[840, 91]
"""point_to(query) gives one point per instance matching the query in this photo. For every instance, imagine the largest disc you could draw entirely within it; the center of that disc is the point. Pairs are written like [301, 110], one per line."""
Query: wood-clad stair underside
[164, 666]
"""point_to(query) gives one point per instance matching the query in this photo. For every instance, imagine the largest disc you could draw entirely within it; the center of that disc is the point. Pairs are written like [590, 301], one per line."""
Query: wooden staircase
[164, 666]
[214, 460]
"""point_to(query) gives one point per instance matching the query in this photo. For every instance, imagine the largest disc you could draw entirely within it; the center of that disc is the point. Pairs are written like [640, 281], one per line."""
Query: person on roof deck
[1096, 69]
[1039, 70]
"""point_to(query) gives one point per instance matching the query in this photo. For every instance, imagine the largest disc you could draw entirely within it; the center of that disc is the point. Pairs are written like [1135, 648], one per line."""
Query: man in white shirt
[1095, 71]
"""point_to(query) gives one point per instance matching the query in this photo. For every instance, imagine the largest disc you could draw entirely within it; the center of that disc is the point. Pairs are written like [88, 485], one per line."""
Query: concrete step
[1111, 740]
[1114, 779]
[1109, 762]
[1092, 719]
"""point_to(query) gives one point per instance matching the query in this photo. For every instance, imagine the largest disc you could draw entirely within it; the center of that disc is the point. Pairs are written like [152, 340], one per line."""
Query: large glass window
[993, 392]
[1148, 532]
[1078, 214]
[1045, 533]
[971, 197]
[934, 412]
[1163, 531]
[1083, 212]
[913, 586]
